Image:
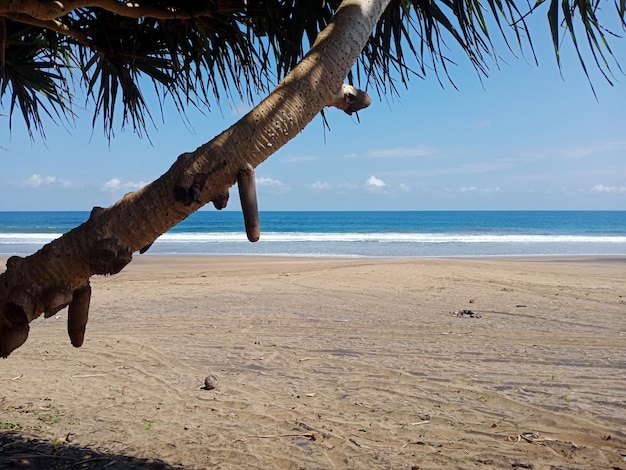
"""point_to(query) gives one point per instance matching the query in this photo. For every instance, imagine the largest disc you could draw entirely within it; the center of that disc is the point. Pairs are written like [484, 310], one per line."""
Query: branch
[50, 10]
[58, 274]
[53, 25]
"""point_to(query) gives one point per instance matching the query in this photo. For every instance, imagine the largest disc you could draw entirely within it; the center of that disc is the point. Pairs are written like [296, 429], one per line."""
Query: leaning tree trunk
[58, 274]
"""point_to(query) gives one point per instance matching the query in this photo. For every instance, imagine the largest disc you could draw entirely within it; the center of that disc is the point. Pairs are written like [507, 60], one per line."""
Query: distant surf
[358, 234]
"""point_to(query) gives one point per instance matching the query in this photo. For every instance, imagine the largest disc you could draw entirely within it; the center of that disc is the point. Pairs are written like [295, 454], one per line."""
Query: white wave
[379, 237]
[388, 237]
[30, 238]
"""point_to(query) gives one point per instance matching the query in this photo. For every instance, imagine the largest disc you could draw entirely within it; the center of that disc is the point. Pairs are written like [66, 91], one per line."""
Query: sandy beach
[329, 364]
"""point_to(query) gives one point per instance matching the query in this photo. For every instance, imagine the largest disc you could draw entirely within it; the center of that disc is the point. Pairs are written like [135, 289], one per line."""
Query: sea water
[357, 234]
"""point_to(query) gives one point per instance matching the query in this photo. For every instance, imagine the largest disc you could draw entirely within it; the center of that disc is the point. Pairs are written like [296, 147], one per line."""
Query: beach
[329, 363]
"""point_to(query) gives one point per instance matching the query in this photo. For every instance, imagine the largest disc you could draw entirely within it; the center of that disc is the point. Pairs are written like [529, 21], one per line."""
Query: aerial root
[78, 314]
[247, 195]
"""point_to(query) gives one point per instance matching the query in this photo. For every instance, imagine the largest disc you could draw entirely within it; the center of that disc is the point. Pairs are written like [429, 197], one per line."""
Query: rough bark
[59, 273]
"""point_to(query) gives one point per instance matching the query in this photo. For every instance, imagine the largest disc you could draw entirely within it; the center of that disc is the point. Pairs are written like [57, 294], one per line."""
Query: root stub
[12, 338]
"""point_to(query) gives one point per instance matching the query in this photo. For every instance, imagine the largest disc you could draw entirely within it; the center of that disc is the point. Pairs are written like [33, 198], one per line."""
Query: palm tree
[191, 50]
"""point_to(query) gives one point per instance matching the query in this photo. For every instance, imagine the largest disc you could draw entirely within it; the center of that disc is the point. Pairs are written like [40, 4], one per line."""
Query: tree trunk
[58, 274]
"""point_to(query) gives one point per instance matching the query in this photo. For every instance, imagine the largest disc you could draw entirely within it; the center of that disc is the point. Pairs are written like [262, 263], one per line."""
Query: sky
[527, 137]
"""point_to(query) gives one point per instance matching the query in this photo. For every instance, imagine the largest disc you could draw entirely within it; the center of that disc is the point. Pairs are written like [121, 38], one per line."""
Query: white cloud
[116, 184]
[38, 181]
[474, 189]
[469, 189]
[600, 188]
[402, 152]
[300, 158]
[404, 187]
[321, 186]
[374, 184]
[271, 182]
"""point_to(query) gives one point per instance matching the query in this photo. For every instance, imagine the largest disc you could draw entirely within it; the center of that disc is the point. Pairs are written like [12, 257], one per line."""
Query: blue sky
[526, 137]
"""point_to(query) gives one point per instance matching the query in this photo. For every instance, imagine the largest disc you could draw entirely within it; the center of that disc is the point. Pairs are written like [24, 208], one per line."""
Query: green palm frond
[35, 75]
[595, 33]
[238, 48]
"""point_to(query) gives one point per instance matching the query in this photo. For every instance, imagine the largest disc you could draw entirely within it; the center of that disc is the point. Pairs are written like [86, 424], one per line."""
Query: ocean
[357, 234]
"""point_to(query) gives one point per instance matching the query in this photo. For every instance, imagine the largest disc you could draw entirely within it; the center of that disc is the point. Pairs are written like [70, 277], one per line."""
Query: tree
[190, 50]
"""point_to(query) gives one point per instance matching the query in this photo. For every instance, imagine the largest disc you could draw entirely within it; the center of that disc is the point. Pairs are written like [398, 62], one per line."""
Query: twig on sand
[323, 432]
[307, 435]
[426, 421]
[533, 438]
[84, 376]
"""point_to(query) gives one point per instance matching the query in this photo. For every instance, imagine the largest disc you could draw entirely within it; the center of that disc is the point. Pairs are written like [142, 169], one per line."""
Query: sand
[329, 364]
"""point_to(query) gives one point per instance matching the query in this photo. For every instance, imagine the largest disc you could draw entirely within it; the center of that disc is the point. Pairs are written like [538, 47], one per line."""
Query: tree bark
[58, 275]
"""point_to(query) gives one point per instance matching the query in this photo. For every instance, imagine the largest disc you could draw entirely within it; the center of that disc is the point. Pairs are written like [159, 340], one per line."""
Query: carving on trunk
[14, 262]
[249, 207]
[55, 299]
[145, 248]
[109, 257]
[189, 188]
[78, 314]
[19, 307]
[221, 200]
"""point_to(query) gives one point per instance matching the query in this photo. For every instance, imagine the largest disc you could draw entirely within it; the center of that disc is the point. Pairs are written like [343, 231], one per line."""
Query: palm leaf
[240, 48]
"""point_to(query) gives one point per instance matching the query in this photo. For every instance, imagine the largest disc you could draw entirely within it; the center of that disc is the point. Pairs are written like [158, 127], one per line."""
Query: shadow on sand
[20, 451]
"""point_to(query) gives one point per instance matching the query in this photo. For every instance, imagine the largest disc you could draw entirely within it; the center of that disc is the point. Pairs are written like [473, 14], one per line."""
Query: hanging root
[247, 195]
[78, 314]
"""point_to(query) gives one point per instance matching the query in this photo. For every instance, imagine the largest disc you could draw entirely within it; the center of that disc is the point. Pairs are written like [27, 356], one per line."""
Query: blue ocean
[357, 234]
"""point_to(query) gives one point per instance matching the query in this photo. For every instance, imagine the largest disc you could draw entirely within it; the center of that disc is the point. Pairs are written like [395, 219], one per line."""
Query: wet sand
[329, 364]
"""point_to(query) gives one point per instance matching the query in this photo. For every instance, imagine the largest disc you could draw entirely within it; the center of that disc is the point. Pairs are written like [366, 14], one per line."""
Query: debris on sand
[210, 382]
[465, 314]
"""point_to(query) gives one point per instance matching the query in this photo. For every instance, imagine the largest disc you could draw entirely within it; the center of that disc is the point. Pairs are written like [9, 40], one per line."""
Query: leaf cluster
[196, 52]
